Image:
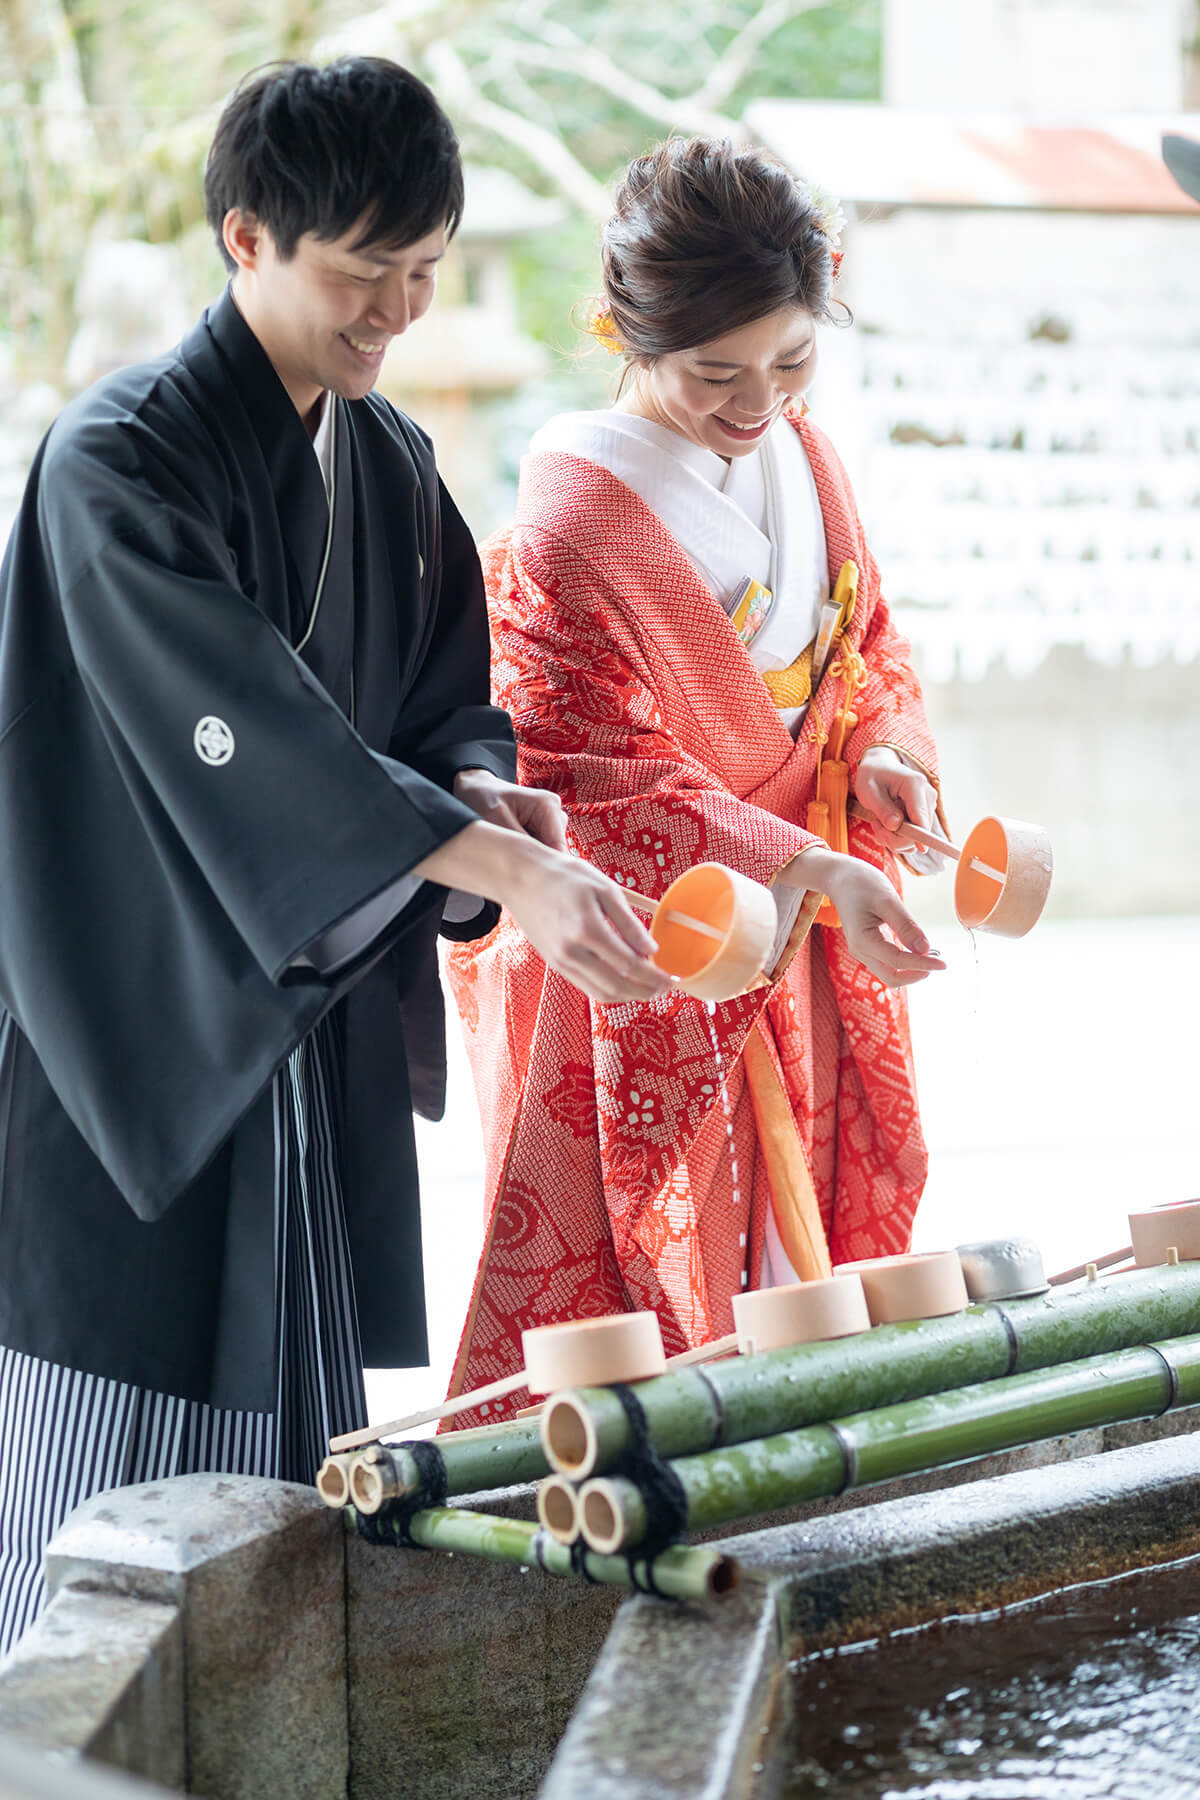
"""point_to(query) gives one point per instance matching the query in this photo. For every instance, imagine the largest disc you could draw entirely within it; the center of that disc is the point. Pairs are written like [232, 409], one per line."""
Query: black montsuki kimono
[185, 807]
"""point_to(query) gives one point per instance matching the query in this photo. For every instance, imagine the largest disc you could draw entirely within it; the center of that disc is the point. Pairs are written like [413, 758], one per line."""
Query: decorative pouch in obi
[749, 607]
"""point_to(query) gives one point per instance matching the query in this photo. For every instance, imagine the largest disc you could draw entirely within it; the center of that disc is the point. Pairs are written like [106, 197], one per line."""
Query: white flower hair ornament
[831, 221]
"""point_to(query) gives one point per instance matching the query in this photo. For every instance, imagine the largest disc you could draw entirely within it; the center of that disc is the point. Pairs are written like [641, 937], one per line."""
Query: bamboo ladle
[578, 1353]
[1004, 871]
[714, 928]
[1161, 1234]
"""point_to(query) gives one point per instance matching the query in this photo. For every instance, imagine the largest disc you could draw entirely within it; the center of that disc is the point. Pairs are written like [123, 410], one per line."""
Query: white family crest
[213, 741]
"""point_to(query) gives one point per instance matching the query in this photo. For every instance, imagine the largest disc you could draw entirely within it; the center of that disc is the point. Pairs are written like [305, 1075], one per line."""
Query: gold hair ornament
[603, 327]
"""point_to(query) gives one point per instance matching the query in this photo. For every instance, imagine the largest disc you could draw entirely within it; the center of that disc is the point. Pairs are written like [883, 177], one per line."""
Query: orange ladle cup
[1003, 876]
[714, 929]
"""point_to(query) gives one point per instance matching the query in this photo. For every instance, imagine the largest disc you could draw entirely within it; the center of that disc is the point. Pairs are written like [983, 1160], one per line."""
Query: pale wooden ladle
[578, 1353]
[1008, 900]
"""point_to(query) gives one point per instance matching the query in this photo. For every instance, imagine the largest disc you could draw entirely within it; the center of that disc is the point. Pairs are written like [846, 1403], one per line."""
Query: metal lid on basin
[1003, 1269]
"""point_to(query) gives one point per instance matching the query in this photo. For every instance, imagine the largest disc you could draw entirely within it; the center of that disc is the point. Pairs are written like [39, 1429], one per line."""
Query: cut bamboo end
[368, 1486]
[568, 1436]
[333, 1480]
[724, 1575]
[557, 1508]
[612, 1515]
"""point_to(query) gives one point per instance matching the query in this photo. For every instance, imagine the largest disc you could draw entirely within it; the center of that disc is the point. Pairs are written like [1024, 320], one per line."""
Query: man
[245, 750]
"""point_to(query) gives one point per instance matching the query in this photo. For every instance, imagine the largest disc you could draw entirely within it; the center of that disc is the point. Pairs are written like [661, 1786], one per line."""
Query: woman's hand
[869, 908]
[895, 795]
[535, 811]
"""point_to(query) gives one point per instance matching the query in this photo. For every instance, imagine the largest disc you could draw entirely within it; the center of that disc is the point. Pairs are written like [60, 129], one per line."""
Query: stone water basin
[226, 1637]
[1030, 1636]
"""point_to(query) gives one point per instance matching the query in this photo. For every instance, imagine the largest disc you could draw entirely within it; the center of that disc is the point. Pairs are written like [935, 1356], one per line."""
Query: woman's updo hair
[707, 238]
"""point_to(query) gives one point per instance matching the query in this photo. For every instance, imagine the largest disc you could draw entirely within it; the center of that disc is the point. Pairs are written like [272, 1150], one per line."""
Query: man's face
[326, 315]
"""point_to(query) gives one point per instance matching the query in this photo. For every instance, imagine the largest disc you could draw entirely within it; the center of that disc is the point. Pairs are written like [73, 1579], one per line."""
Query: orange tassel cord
[827, 813]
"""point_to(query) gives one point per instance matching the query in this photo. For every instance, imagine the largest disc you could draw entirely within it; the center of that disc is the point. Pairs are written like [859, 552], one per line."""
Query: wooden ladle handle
[929, 840]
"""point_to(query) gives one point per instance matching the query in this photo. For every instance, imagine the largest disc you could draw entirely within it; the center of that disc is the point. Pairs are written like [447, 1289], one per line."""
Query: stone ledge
[256, 1569]
[101, 1675]
[26, 1776]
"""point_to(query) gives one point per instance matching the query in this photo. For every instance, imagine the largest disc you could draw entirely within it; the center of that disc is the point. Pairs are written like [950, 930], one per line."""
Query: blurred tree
[575, 90]
[564, 93]
[106, 106]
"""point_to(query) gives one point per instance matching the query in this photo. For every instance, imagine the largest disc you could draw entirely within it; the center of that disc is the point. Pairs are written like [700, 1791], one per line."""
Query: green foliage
[106, 108]
[826, 52]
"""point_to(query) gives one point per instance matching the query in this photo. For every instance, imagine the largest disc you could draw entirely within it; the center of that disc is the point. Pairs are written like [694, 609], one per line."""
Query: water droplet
[710, 1007]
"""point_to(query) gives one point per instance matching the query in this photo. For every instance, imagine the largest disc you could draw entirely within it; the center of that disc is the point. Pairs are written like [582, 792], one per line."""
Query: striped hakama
[66, 1434]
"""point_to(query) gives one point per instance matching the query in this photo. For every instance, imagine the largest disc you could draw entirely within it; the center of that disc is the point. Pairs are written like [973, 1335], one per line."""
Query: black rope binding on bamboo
[579, 1557]
[390, 1525]
[660, 1487]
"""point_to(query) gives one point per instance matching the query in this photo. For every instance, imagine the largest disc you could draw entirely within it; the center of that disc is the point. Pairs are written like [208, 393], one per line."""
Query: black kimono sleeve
[183, 810]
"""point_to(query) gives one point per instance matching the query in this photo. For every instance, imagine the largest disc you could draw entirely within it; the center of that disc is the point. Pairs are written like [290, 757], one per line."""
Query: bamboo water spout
[865, 1448]
[475, 1462]
[680, 1573]
[586, 1432]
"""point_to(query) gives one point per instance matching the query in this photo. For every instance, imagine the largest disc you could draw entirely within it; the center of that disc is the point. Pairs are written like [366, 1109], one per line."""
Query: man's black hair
[360, 142]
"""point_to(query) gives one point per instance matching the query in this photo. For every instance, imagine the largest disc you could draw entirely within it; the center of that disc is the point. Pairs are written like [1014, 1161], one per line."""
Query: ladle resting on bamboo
[578, 1353]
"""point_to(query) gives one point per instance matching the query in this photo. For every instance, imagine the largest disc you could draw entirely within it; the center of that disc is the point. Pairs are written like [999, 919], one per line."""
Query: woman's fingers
[896, 795]
[873, 911]
[890, 964]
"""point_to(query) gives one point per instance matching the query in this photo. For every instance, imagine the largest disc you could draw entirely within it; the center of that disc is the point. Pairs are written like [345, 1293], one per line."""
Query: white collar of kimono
[756, 515]
[323, 443]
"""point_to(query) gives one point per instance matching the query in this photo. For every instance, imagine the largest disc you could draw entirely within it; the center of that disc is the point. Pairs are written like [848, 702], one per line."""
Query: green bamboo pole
[865, 1448]
[585, 1430]
[680, 1573]
[476, 1462]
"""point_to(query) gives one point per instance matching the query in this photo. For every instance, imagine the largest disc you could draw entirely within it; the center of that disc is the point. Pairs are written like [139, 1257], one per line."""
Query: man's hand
[535, 811]
[869, 908]
[578, 920]
[895, 795]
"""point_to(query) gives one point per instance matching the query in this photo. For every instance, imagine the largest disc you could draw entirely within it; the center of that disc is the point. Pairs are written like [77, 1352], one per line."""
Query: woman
[681, 669]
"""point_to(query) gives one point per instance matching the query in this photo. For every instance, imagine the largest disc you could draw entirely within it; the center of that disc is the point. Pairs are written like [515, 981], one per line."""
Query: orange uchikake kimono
[613, 1182]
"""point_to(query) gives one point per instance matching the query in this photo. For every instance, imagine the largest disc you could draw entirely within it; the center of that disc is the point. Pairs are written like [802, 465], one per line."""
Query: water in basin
[1092, 1693]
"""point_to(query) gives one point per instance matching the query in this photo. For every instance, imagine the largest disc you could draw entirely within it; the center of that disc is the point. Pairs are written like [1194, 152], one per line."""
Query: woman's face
[726, 394]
